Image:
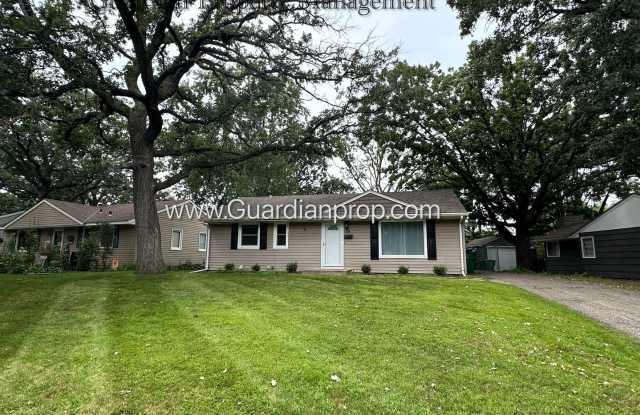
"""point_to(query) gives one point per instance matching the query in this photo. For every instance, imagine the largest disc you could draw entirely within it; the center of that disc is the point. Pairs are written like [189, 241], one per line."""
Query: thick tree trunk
[148, 252]
[523, 252]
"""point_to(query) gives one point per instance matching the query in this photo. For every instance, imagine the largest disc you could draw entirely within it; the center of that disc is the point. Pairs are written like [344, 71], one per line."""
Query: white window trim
[546, 246]
[424, 245]
[275, 236]
[593, 241]
[206, 239]
[240, 246]
[173, 248]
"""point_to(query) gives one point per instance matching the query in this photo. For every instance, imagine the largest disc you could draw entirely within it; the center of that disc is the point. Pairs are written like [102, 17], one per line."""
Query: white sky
[424, 36]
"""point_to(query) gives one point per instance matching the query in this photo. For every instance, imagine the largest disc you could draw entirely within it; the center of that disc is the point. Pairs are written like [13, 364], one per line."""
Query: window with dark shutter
[431, 240]
[373, 232]
[263, 235]
[249, 236]
[234, 236]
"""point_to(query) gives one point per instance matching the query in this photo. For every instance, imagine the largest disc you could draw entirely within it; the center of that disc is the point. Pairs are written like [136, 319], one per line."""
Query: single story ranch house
[57, 224]
[323, 243]
[608, 246]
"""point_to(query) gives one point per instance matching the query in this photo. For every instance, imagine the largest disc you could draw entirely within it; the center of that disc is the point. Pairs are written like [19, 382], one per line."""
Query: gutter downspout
[206, 260]
[463, 255]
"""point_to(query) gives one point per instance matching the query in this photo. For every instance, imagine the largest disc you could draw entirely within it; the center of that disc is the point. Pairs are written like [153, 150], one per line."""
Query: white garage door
[505, 258]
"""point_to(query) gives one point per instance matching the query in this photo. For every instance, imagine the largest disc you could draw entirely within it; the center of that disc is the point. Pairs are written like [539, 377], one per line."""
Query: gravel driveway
[616, 307]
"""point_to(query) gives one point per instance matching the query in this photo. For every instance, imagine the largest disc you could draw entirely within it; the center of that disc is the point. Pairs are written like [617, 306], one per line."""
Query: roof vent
[100, 207]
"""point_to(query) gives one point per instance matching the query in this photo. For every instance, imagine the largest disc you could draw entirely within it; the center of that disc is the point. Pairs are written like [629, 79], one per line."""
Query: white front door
[332, 245]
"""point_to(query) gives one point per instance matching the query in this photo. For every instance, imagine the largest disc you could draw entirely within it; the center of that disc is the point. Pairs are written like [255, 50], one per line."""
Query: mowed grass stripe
[481, 335]
[59, 367]
[287, 349]
[400, 345]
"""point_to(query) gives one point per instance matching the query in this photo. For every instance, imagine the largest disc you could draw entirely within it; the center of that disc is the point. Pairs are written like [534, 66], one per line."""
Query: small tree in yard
[177, 84]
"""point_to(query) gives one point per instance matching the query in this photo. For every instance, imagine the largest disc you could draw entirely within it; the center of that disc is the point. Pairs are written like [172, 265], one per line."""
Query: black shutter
[234, 236]
[375, 255]
[431, 239]
[263, 235]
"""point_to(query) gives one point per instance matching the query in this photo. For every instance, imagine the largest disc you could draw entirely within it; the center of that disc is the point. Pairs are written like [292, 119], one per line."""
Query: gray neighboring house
[497, 249]
[320, 244]
[59, 223]
[608, 246]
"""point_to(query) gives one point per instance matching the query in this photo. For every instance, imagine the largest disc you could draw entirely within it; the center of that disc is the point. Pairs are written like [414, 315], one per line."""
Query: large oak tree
[502, 129]
[157, 67]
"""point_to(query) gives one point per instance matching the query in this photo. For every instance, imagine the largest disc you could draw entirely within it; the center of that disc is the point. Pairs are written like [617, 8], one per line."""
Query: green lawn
[212, 343]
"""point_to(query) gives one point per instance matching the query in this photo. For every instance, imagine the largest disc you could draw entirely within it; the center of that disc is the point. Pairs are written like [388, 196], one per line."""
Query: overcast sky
[424, 36]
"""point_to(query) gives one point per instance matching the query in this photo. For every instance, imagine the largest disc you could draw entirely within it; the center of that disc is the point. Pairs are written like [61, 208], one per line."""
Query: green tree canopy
[504, 131]
[161, 69]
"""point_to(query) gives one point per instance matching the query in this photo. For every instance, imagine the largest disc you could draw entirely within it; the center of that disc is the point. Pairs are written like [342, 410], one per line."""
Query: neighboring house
[58, 223]
[4, 219]
[318, 243]
[608, 245]
[497, 249]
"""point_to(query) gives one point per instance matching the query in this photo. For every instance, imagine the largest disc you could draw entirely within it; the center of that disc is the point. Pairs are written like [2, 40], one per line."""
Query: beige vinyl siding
[125, 253]
[304, 248]
[43, 216]
[190, 230]
[305, 244]
[357, 251]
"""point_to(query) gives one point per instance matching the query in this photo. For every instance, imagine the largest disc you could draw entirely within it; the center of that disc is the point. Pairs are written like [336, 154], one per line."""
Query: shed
[496, 249]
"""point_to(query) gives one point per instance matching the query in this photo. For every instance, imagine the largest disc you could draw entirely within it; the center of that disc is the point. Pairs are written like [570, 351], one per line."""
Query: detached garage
[495, 248]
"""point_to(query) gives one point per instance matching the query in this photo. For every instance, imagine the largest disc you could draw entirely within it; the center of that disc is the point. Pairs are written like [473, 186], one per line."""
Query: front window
[553, 249]
[202, 241]
[249, 236]
[176, 239]
[402, 239]
[588, 247]
[115, 238]
[281, 236]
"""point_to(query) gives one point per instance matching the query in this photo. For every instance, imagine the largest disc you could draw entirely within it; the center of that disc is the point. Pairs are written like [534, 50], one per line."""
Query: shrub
[366, 269]
[55, 262]
[18, 262]
[185, 266]
[256, 268]
[126, 267]
[403, 270]
[292, 267]
[229, 267]
[87, 251]
[440, 270]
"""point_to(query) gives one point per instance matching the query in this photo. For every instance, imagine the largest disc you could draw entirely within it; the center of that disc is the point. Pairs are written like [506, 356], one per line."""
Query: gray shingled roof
[446, 199]
[119, 212]
[6, 218]
[481, 241]
[489, 241]
[568, 226]
[123, 212]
